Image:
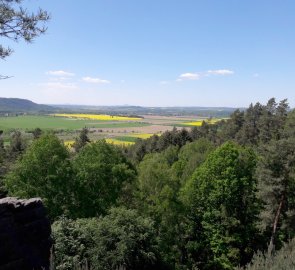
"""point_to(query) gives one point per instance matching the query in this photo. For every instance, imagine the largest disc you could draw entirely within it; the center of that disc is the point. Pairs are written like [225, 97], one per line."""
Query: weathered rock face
[24, 235]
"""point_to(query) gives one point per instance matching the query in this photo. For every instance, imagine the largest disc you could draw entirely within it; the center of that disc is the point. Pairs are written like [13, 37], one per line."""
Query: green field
[127, 139]
[29, 122]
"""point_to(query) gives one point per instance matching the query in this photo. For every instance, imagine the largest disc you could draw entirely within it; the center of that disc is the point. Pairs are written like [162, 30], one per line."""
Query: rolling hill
[8, 105]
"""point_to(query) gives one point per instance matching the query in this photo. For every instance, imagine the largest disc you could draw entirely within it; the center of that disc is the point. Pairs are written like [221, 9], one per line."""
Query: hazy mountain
[138, 110]
[22, 105]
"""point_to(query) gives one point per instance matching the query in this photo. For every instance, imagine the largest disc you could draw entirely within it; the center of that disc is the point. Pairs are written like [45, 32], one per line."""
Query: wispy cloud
[189, 76]
[61, 73]
[255, 75]
[220, 72]
[95, 80]
[198, 75]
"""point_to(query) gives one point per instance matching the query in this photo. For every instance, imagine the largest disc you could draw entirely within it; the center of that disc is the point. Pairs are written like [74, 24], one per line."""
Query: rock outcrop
[24, 235]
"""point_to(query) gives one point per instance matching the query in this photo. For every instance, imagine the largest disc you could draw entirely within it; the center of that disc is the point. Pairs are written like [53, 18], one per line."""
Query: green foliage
[156, 184]
[72, 242]
[82, 140]
[120, 239]
[275, 173]
[221, 200]
[289, 128]
[199, 207]
[43, 171]
[37, 132]
[262, 123]
[17, 144]
[101, 172]
[191, 156]
[3, 165]
[284, 259]
[123, 238]
[157, 144]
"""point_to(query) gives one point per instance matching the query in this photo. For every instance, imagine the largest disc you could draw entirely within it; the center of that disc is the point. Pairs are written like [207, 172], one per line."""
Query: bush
[120, 239]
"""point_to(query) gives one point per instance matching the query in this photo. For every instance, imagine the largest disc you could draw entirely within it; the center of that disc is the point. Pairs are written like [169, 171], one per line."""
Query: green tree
[82, 140]
[125, 239]
[120, 240]
[73, 241]
[191, 156]
[155, 184]
[101, 172]
[3, 165]
[43, 171]
[222, 206]
[37, 132]
[284, 259]
[249, 133]
[17, 144]
[289, 127]
[276, 189]
[272, 120]
[157, 198]
[233, 125]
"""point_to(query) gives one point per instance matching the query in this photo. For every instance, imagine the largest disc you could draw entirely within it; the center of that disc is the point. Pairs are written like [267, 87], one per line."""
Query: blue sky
[157, 53]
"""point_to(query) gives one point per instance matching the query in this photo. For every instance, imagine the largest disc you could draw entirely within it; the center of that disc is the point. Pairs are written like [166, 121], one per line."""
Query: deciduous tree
[222, 206]
[43, 171]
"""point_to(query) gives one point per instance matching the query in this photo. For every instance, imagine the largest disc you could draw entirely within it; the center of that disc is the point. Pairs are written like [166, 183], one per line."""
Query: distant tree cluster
[209, 198]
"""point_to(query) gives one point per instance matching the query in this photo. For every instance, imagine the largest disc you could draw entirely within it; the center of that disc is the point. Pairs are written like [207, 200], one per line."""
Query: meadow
[29, 122]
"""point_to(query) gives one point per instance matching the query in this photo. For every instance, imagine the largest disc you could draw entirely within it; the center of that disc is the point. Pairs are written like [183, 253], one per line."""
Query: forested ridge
[218, 196]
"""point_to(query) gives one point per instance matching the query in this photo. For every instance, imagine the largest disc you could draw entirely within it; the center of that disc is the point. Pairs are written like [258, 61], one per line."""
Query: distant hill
[8, 105]
[138, 110]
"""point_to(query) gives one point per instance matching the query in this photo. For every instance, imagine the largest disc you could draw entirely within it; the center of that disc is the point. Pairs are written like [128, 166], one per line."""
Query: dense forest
[218, 196]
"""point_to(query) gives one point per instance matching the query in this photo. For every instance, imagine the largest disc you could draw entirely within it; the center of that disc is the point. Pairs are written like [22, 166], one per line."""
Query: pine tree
[276, 185]
[82, 140]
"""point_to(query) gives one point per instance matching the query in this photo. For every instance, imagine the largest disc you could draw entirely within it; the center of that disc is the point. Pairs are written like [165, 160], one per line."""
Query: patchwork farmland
[116, 129]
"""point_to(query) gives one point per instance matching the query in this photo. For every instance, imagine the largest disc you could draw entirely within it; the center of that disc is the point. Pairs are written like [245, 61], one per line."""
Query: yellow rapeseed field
[103, 117]
[199, 122]
[141, 135]
[118, 142]
[69, 144]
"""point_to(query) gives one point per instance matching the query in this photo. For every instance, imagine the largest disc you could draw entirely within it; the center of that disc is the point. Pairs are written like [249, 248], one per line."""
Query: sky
[156, 53]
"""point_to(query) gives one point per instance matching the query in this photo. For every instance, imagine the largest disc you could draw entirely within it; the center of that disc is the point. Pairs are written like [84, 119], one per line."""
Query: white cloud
[190, 76]
[220, 72]
[60, 73]
[198, 75]
[95, 80]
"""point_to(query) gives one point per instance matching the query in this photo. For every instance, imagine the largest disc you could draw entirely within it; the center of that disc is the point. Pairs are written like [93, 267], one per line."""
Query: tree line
[218, 196]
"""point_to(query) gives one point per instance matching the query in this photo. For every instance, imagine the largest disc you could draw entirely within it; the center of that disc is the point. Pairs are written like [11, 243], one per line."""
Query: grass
[29, 122]
[134, 137]
[103, 117]
[115, 141]
[126, 139]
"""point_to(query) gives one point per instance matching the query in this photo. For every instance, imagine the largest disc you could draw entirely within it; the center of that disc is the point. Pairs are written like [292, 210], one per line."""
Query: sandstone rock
[24, 235]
